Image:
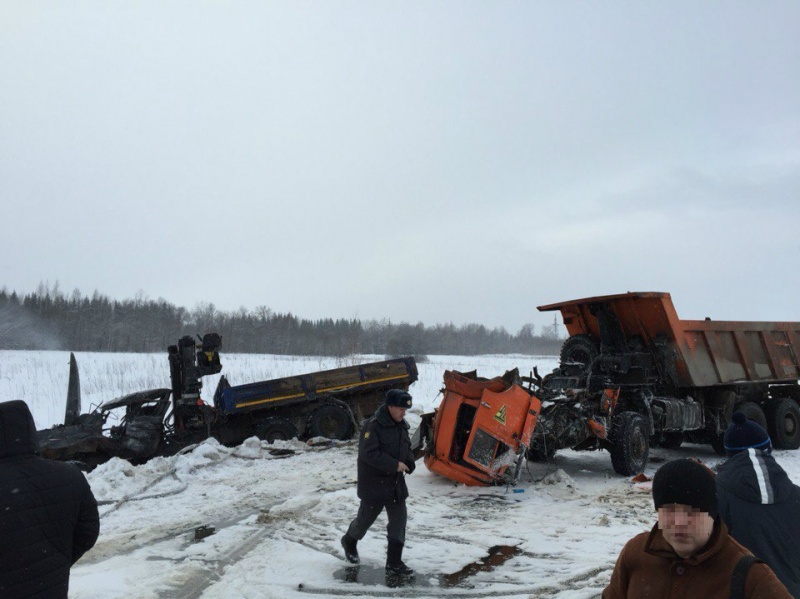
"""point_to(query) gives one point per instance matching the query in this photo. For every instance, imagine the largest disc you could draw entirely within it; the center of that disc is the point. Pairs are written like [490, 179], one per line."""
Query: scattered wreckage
[631, 375]
[156, 422]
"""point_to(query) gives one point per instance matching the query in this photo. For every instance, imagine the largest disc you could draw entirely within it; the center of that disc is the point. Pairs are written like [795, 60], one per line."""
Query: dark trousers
[368, 512]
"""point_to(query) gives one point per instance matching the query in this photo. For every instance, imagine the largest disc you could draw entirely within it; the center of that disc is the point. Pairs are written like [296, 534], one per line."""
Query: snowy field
[278, 518]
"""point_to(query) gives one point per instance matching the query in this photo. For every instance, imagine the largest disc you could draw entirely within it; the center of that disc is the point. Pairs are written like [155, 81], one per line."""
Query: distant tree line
[50, 319]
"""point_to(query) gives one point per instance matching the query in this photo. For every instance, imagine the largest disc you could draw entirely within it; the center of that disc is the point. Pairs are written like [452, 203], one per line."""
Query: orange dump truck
[480, 432]
[633, 374]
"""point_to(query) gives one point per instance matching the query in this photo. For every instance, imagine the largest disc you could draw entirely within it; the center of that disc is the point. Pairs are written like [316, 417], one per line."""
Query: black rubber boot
[350, 551]
[394, 562]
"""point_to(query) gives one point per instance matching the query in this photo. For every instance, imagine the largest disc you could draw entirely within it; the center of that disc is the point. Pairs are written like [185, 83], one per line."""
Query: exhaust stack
[73, 410]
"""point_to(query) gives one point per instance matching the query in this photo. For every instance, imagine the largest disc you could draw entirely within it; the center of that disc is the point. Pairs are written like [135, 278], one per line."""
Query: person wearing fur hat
[384, 458]
[758, 502]
[689, 553]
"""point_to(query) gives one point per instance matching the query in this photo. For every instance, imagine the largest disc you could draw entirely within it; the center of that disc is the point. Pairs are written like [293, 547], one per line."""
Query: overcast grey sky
[418, 161]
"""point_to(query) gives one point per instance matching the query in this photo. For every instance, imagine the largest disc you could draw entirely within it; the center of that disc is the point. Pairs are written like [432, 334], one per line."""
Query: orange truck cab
[481, 430]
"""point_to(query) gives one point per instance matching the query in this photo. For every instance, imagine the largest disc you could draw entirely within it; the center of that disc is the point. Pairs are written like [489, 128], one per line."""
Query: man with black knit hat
[689, 553]
[758, 502]
[384, 458]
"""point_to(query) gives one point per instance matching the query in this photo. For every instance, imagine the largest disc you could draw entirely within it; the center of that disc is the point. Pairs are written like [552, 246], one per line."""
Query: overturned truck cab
[137, 436]
[480, 431]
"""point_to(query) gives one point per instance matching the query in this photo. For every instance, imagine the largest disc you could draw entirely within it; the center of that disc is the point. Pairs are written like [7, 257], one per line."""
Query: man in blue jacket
[384, 458]
[758, 502]
[48, 514]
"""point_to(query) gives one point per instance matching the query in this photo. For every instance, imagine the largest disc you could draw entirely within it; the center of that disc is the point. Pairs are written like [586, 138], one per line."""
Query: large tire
[274, 429]
[753, 412]
[330, 420]
[577, 354]
[783, 423]
[630, 444]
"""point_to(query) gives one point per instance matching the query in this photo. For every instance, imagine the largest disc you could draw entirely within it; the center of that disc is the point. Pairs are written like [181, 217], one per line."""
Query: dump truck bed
[704, 352]
[308, 387]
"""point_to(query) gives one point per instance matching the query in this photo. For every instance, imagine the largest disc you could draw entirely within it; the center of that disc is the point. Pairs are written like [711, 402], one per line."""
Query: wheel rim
[329, 425]
[789, 424]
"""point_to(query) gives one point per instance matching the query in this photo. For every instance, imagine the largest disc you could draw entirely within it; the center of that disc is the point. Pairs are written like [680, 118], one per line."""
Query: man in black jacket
[48, 514]
[384, 458]
[758, 502]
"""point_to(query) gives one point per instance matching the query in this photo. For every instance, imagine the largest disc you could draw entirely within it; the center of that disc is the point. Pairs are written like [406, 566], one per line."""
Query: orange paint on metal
[610, 397]
[477, 422]
[702, 353]
[598, 430]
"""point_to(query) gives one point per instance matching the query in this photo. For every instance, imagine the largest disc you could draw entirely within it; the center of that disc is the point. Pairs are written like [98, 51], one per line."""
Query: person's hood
[17, 430]
[754, 476]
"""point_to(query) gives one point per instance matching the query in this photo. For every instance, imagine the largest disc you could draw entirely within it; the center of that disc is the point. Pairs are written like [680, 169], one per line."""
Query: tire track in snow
[126, 543]
[279, 526]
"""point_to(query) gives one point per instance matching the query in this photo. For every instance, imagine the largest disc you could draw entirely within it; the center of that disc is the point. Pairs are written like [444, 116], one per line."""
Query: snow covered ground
[278, 515]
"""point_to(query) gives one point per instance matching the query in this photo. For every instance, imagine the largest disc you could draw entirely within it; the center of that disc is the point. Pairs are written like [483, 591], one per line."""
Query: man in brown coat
[689, 553]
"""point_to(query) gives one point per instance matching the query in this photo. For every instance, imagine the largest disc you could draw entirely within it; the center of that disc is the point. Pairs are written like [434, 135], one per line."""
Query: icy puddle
[376, 576]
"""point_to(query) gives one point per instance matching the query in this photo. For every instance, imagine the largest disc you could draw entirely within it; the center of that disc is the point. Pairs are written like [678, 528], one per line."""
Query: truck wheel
[274, 429]
[577, 353]
[630, 444]
[753, 412]
[783, 420]
[331, 421]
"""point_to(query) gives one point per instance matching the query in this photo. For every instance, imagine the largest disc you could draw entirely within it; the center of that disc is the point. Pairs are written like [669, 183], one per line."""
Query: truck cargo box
[329, 403]
[707, 352]
[290, 390]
